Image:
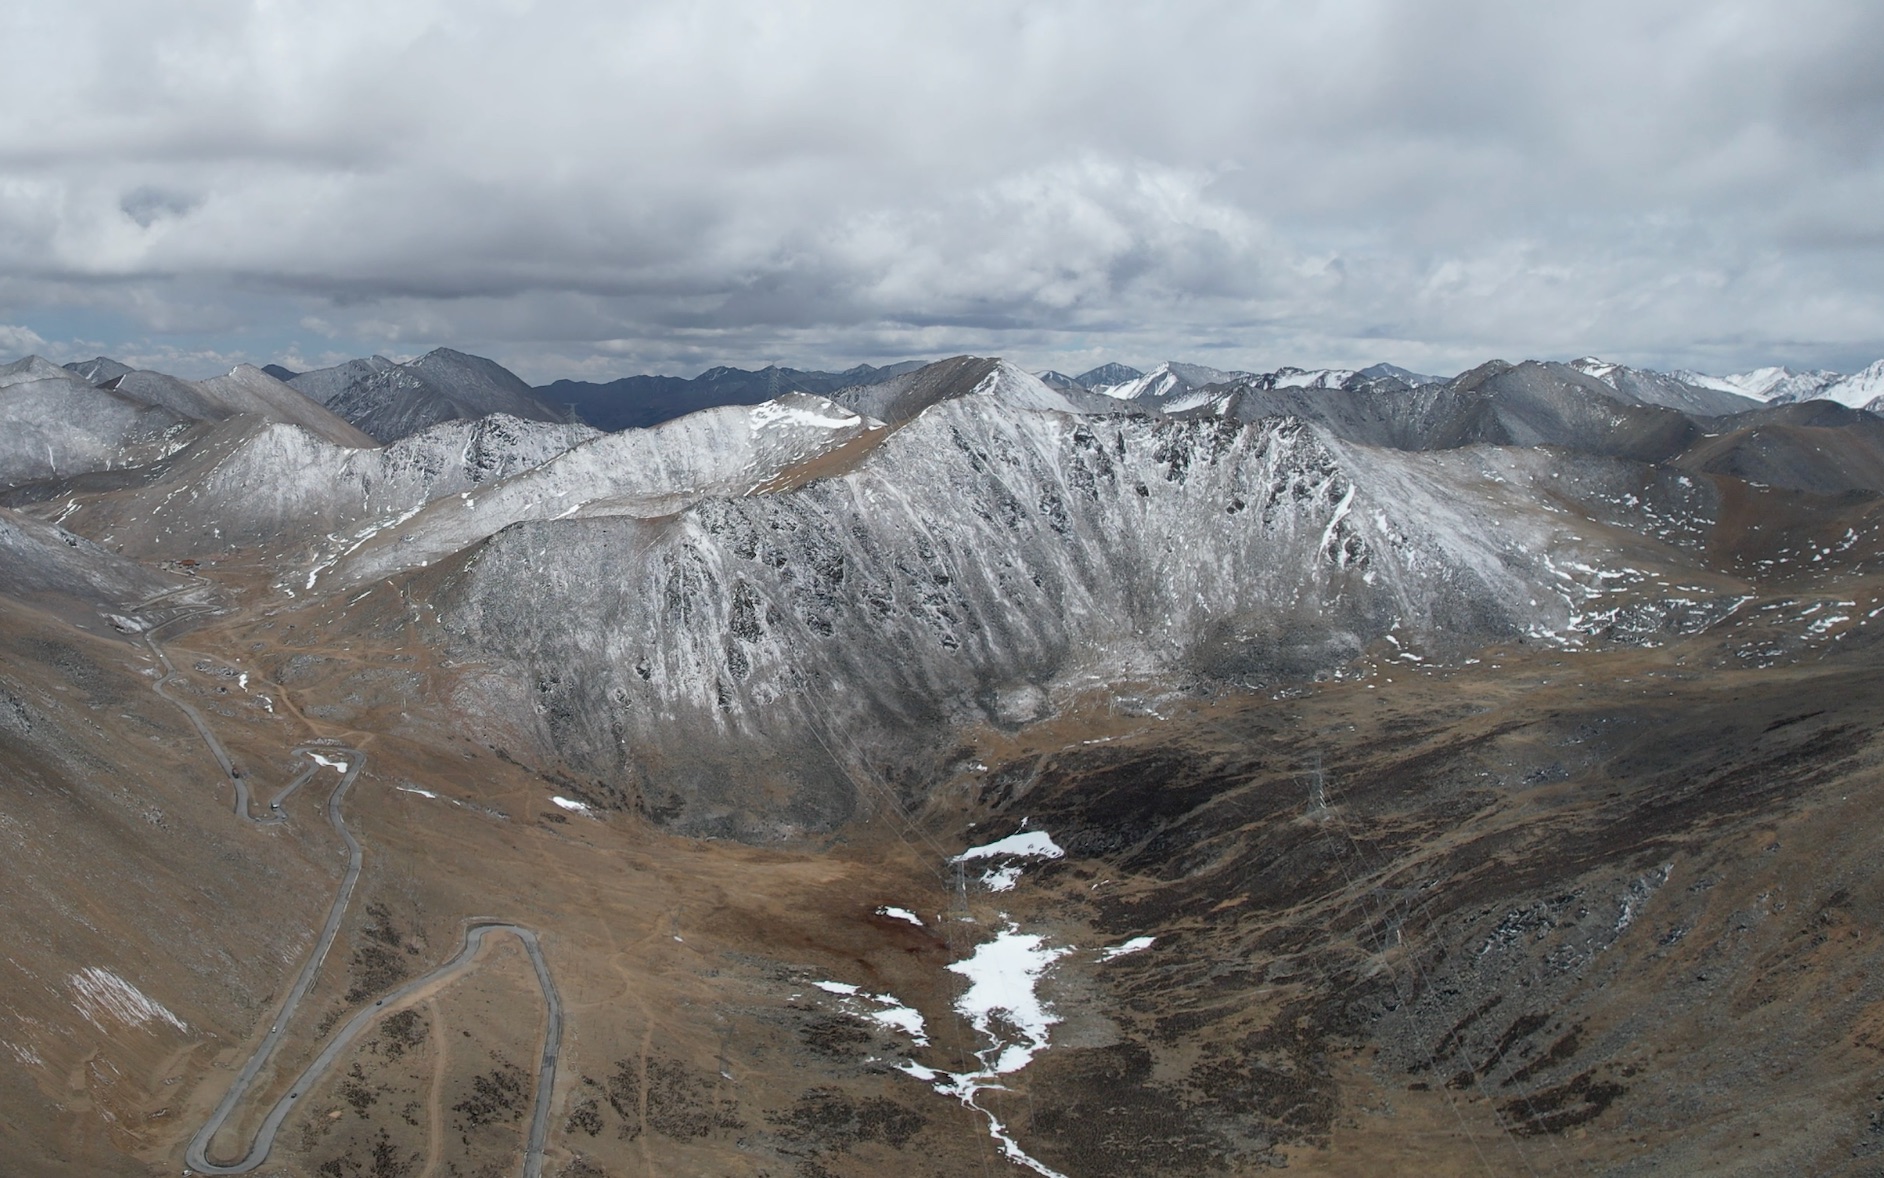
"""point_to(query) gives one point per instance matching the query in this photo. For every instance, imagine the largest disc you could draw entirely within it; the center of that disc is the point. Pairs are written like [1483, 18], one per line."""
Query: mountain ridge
[389, 400]
[636, 402]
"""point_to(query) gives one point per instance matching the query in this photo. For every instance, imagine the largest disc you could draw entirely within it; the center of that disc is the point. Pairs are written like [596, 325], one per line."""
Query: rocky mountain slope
[389, 400]
[1025, 556]
[299, 497]
[59, 424]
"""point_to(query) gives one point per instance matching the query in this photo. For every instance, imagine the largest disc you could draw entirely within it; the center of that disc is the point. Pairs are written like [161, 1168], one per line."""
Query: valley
[951, 775]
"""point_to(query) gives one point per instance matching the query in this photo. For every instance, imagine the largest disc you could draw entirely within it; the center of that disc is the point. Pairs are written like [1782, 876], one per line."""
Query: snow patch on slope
[1027, 844]
[1036, 844]
[101, 994]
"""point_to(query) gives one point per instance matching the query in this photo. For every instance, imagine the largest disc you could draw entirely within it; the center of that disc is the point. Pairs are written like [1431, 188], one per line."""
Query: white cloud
[19, 341]
[597, 187]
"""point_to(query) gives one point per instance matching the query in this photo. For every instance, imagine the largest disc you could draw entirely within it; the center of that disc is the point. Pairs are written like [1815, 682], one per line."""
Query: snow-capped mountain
[1166, 380]
[1107, 374]
[902, 398]
[244, 389]
[301, 497]
[60, 423]
[100, 369]
[983, 560]
[1059, 380]
[1863, 389]
[1176, 387]
[1777, 384]
[1310, 378]
[731, 450]
[798, 526]
[1405, 376]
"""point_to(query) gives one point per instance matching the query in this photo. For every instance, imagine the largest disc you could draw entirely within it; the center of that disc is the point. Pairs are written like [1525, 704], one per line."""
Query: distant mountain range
[385, 400]
[636, 402]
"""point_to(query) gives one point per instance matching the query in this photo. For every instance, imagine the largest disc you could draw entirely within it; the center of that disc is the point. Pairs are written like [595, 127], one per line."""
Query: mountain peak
[1107, 374]
[99, 369]
[389, 400]
[1405, 375]
[31, 368]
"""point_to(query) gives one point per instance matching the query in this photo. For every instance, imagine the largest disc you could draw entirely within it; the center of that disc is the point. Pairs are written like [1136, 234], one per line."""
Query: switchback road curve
[197, 1155]
[474, 936]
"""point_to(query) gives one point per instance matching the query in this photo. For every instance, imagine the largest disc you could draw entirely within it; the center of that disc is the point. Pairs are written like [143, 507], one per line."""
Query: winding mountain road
[474, 936]
[197, 1156]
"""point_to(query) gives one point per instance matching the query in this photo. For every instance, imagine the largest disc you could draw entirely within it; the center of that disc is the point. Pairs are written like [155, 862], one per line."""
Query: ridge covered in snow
[1779, 385]
[727, 451]
[1169, 378]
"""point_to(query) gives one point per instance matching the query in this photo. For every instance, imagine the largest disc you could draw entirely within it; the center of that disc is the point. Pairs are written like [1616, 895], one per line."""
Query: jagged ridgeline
[982, 564]
[786, 591]
[725, 617]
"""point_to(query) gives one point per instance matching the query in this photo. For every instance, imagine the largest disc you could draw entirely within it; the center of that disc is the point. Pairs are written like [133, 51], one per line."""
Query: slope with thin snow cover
[389, 400]
[982, 562]
[256, 484]
[644, 473]
[41, 560]
[59, 425]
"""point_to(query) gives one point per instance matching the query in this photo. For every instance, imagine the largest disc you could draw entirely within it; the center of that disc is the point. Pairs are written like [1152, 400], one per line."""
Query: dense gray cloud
[599, 188]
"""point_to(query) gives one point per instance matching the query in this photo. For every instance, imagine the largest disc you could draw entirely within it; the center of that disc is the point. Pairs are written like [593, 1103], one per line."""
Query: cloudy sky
[599, 189]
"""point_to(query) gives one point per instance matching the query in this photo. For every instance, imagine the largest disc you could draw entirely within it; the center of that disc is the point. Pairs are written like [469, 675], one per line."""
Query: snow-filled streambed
[1011, 1018]
[1004, 1005]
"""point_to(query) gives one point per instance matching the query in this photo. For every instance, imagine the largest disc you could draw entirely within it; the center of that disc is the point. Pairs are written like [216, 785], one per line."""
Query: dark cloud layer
[600, 188]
